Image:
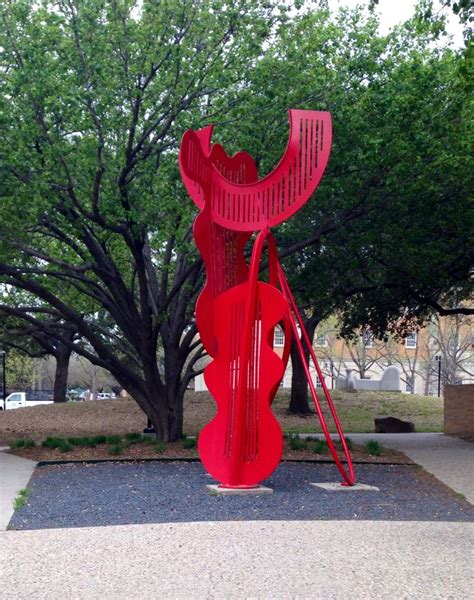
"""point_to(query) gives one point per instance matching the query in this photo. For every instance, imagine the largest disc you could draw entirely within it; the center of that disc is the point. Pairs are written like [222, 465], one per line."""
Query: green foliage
[21, 499]
[53, 442]
[189, 442]
[22, 443]
[115, 450]
[373, 447]
[100, 439]
[64, 447]
[319, 447]
[159, 447]
[296, 443]
[113, 439]
[349, 443]
[19, 370]
[134, 438]
[94, 221]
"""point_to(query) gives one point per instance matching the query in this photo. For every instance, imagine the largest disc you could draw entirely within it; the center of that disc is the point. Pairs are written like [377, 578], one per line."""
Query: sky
[393, 12]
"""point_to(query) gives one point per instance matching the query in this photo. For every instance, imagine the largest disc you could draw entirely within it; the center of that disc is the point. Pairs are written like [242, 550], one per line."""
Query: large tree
[388, 239]
[95, 96]
[95, 224]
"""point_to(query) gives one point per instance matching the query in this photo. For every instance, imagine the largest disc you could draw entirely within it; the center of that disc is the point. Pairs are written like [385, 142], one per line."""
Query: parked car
[20, 400]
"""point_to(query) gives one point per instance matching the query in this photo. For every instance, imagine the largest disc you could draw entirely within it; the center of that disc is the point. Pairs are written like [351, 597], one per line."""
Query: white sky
[396, 11]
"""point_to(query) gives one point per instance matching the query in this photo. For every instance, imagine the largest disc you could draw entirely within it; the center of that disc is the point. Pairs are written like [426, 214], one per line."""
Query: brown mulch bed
[122, 416]
[175, 450]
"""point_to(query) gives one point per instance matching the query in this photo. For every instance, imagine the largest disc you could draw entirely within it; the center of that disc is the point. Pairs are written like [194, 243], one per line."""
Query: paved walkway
[15, 473]
[449, 459]
[259, 559]
[265, 559]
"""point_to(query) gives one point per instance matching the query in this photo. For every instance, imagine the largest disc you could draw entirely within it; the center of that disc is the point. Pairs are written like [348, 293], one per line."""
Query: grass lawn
[356, 412]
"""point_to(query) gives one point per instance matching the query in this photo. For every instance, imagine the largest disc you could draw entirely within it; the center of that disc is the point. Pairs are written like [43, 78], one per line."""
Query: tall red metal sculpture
[237, 313]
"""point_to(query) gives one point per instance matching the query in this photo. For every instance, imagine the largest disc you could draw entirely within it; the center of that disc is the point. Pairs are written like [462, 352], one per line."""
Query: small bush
[76, 441]
[29, 443]
[100, 439]
[189, 443]
[350, 443]
[21, 499]
[373, 447]
[319, 447]
[296, 443]
[115, 449]
[53, 442]
[133, 438]
[17, 444]
[63, 446]
[149, 439]
[113, 439]
[159, 447]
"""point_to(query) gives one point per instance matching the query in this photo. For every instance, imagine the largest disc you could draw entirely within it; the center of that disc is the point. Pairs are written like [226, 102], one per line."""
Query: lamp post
[438, 360]
[4, 378]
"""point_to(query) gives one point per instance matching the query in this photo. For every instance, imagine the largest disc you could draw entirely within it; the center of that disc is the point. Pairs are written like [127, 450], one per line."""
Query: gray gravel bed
[87, 495]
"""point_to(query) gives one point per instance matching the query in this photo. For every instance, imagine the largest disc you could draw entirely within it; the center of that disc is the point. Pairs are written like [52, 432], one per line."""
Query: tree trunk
[299, 404]
[299, 386]
[60, 378]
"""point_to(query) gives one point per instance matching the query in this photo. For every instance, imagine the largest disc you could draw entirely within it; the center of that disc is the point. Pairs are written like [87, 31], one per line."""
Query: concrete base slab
[332, 486]
[222, 491]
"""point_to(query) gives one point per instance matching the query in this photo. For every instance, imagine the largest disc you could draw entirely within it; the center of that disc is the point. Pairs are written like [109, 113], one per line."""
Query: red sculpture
[236, 313]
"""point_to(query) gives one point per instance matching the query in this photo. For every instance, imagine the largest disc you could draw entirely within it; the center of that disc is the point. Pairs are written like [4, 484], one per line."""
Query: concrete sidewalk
[15, 472]
[449, 459]
[253, 559]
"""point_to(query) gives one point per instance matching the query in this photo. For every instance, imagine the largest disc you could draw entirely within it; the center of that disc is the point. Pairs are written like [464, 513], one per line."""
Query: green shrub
[159, 447]
[29, 443]
[133, 438]
[17, 444]
[63, 446]
[53, 442]
[373, 447]
[115, 449]
[76, 441]
[113, 439]
[350, 443]
[21, 499]
[149, 439]
[189, 443]
[319, 447]
[296, 443]
[100, 439]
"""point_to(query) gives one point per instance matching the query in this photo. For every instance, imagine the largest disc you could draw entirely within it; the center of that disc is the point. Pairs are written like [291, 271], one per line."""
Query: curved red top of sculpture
[268, 201]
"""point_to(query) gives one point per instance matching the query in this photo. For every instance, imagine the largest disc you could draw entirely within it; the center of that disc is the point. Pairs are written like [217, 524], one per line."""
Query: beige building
[441, 352]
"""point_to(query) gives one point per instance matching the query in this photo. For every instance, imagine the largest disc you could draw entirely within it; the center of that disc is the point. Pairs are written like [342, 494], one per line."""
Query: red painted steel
[236, 313]
[268, 201]
[242, 445]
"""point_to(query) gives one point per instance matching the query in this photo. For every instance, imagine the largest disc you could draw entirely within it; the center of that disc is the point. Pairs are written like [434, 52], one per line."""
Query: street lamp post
[438, 360]
[4, 378]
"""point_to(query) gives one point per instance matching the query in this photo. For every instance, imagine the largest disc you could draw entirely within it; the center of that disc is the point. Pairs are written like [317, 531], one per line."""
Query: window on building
[278, 337]
[321, 341]
[318, 383]
[368, 339]
[410, 340]
[410, 386]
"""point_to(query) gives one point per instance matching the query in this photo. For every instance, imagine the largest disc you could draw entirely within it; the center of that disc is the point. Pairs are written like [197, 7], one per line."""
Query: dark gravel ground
[116, 493]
